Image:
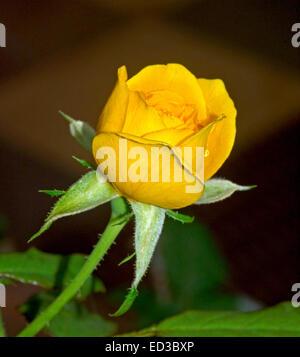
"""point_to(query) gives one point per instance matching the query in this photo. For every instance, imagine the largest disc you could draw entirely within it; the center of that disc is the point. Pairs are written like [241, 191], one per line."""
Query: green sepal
[125, 260]
[149, 222]
[85, 163]
[218, 189]
[179, 216]
[81, 131]
[87, 193]
[129, 300]
[53, 193]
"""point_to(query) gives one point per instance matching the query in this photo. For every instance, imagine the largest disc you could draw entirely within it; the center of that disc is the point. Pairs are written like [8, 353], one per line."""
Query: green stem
[109, 235]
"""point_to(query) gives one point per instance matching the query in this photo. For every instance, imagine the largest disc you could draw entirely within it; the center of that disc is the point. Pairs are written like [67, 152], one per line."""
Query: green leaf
[149, 222]
[6, 281]
[2, 330]
[85, 163]
[193, 273]
[150, 308]
[180, 217]
[87, 193]
[282, 320]
[81, 131]
[218, 189]
[50, 271]
[53, 193]
[194, 266]
[73, 320]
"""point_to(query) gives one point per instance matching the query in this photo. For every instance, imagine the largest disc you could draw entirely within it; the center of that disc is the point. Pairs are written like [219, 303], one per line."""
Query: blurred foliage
[188, 297]
[193, 271]
[278, 321]
[74, 320]
[50, 271]
[7, 281]
[2, 330]
[194, 266]
[55, 272]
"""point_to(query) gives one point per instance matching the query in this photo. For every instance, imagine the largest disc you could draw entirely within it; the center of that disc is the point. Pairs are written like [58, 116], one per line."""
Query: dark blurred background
[63, 55]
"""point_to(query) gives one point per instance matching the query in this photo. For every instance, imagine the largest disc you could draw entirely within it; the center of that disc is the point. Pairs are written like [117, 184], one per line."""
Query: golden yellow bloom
[166, 105]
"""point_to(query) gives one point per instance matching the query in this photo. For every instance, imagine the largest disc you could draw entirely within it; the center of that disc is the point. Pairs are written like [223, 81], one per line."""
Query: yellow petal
[172, 77]
[222, 135]
[141, 118]
[113, 115]
[198, 140]
[170, 136]
[169, 194]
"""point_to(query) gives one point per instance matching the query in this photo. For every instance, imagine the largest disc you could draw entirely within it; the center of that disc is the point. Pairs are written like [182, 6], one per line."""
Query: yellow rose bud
[166, 107]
